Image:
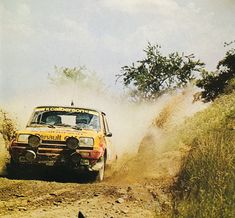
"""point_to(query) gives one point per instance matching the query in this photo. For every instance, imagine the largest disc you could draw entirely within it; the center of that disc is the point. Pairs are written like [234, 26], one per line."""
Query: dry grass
[205, 185]
[7, 126]
[7, 131]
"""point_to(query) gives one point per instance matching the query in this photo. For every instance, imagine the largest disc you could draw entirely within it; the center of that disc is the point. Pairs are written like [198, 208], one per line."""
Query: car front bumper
[55, 154]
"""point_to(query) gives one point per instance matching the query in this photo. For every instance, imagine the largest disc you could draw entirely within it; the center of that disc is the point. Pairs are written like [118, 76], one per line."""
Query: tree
[221, 81]
[65, 75]
[78, 77]
[157, 74]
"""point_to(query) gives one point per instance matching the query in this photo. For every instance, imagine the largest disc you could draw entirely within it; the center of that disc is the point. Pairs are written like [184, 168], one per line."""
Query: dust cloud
[160, 153]
[135, 127]
[127, 121]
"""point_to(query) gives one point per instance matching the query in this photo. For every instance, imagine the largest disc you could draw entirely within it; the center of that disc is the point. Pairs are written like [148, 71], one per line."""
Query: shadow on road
[62, 175]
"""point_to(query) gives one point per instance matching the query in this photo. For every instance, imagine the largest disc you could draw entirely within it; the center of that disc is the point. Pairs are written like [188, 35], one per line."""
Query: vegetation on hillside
[205, 186]
[221, 81]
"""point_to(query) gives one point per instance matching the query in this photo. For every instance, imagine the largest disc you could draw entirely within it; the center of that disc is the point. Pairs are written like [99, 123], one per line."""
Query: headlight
[34, 141]
[86, 142]
[72, 143]
[23, 138]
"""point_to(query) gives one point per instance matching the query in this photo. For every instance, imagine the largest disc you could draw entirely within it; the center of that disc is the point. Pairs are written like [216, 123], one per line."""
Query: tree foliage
[63, 75]
[221, 81]
[78, 77]
[156, 73]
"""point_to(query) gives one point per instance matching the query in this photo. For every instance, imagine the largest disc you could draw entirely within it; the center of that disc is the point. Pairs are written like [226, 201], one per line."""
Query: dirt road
[126, 192]
[55, 196]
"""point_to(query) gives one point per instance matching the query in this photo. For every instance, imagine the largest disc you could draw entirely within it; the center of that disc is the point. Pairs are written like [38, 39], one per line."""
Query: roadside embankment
[205, 184]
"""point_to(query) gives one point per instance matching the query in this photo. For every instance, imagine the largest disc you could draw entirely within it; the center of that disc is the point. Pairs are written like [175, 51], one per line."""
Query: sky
[104, 35]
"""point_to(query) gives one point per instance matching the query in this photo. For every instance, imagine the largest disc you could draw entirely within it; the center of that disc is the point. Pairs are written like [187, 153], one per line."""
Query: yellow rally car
[77, 138]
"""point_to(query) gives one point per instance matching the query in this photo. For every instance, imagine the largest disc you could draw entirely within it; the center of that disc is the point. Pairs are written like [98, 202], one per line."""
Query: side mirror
[109, 134]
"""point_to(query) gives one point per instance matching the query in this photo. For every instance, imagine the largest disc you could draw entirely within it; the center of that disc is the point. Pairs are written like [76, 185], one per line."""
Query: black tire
[12, 169]
[17, 170]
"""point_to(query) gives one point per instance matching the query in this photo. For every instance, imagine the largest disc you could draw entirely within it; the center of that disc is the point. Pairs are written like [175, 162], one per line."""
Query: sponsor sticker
[51, 137]
[71, 110]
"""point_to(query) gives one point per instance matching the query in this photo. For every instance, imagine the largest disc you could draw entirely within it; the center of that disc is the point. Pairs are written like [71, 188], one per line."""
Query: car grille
[52, 148]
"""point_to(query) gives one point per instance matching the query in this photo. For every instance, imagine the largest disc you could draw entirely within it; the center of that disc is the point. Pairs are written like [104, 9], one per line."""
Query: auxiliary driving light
[72, 143]
[34, 141]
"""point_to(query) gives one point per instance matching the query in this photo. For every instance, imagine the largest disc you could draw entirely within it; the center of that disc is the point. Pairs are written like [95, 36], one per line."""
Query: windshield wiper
[62, 124]
[67, 125]
[41, 123]
[58, 124]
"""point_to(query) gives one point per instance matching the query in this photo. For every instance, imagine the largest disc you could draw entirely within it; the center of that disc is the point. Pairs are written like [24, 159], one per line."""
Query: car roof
[82, 108]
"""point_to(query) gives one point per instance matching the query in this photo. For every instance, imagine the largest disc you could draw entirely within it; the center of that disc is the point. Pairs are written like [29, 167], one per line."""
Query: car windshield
[77, 119]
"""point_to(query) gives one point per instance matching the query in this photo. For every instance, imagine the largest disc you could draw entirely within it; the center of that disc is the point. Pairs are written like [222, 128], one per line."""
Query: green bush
[206, 182]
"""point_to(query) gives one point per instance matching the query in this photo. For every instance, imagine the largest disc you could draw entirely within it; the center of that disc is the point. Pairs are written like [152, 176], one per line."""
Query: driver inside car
[53, 120]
